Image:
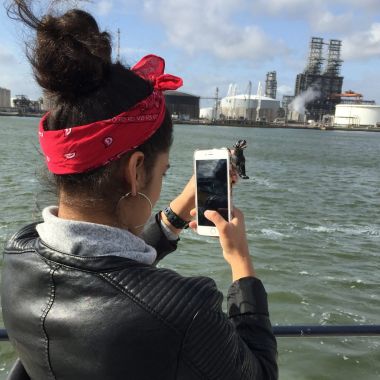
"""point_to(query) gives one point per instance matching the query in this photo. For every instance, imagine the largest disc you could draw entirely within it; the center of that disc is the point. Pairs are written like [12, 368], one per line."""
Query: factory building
[5, 98]
[324, 82]
[207, 113]
[271, 85]
[357, 115]
[25, 105]
[249, 107]
[181, 105]
[286, 100]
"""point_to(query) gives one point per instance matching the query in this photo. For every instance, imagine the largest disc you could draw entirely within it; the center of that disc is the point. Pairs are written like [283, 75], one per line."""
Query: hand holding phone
[233, 240]
[213, 187]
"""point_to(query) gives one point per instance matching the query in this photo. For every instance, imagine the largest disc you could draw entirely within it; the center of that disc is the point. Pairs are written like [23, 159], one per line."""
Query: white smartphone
[213, 187]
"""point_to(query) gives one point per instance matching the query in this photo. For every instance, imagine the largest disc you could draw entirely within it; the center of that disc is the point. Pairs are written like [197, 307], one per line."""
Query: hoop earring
[144, 196]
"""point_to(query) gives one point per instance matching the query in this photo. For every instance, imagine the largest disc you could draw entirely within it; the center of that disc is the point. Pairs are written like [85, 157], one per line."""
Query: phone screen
[212, 188]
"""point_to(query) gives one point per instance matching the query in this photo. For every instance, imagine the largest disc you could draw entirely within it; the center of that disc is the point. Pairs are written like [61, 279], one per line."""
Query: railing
[304, 331]
[326, 330]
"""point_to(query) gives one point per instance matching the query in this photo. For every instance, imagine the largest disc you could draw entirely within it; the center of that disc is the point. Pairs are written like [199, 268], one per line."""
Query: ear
[134, 172]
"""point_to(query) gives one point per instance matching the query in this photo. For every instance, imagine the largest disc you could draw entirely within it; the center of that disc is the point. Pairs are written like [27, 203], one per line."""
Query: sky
[213, 43]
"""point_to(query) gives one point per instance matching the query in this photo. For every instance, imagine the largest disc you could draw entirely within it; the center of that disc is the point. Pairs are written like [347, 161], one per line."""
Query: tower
[259, 95]
[315, 60]
[334, 62]
[271, 85]
[324, 83]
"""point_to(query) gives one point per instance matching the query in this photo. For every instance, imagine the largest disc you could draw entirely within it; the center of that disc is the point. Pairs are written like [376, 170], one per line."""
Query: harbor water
[312, 209]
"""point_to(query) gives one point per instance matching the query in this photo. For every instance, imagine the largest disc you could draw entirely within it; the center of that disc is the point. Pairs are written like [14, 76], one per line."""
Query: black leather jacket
[71, 317]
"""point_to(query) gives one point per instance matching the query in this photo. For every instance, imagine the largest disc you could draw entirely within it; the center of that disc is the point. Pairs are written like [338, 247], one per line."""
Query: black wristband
[174, 219]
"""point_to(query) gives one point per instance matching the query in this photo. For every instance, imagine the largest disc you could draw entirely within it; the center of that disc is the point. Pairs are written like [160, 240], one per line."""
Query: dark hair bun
[71, 56]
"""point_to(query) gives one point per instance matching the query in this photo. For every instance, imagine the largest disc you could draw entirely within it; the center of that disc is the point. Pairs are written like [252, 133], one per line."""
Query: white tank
[207, 113]
[356, 115]
[245, 107]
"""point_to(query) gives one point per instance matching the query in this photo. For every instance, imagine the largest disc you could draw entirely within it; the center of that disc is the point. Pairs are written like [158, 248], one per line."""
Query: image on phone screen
[212, 188]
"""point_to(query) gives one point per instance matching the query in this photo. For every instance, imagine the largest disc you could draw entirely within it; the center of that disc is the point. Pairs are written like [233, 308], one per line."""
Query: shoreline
[5, 114]
[274, 126]
[243, 124]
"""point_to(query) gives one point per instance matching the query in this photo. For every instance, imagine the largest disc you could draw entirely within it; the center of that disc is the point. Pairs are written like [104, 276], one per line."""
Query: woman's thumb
[214, 217]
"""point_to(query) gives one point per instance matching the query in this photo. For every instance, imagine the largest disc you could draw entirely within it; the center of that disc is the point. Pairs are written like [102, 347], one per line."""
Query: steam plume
[299, 103]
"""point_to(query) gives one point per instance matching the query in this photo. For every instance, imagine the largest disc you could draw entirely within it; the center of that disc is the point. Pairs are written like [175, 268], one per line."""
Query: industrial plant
[20, 105]
[318, 100]
[325, 80]
[318, 93]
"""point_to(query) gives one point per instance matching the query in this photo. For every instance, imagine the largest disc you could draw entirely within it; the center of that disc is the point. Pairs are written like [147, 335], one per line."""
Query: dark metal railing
[322, 330]
[304, 331]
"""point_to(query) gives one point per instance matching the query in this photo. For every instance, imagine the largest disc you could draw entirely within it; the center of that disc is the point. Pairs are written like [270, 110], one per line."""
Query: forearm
[242, 267]
[181, 206]
[248, 311]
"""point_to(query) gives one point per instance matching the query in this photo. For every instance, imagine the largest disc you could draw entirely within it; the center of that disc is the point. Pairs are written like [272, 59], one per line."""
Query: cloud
[366, 5]
[362, 45]
[19, 79]
[300, 8]
[321, 15]
[208, 26]
[16, 74]
[288, 7]
[7, 59]
[104, 7]
[284, 90]
[325, 21]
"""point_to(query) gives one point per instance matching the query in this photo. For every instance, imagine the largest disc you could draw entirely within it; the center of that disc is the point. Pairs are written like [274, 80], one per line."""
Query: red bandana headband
[86, 147]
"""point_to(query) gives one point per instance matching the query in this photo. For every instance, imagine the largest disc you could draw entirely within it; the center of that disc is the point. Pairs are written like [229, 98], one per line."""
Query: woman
[81, 296]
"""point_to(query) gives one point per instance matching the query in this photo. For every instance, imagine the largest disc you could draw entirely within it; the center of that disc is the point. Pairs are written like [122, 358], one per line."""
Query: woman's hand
[233, 240]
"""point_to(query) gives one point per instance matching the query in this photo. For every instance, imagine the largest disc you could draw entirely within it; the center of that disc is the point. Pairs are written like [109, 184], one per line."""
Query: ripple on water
[272, 234]
[370, 230]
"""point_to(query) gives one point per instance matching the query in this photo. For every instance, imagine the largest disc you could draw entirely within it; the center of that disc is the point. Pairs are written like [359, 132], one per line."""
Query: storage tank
[245, 107]
[356, 115]
[207, 113]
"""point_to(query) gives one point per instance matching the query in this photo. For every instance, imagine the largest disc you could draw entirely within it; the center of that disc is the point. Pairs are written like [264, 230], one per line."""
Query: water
[312, 207]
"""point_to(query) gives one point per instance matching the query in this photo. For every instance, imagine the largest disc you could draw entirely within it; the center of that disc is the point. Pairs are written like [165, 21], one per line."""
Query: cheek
[159, 187]
[156, 189]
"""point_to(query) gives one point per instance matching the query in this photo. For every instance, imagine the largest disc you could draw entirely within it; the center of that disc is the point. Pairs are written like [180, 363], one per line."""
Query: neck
[87, 213]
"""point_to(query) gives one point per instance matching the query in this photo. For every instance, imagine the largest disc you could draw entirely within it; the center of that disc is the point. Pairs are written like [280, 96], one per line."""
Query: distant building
[249, 107]
[286, 100]
[326, 82]
[207, 113]
[25, 105]
[271, 85]
[183, 106]
[5, 98]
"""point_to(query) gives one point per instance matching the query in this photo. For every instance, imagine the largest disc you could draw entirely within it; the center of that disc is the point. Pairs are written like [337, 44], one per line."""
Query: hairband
[86, 147]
